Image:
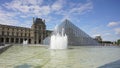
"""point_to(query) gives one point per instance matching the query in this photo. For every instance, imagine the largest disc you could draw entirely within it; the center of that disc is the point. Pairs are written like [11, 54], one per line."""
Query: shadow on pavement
[23, 66]
[115, 64]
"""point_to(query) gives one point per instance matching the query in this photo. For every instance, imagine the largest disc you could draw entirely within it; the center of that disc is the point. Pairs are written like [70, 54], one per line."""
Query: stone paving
[73, 57]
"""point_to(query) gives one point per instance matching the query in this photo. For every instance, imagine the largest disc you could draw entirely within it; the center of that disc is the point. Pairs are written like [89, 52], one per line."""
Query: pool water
[73, 57]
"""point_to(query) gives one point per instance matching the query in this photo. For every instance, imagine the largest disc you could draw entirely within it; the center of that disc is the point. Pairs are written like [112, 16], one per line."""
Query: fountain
[25, 42]
[58, 40]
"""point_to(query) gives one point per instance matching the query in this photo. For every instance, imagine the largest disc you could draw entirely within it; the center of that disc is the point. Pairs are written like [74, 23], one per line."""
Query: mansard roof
[39, 21]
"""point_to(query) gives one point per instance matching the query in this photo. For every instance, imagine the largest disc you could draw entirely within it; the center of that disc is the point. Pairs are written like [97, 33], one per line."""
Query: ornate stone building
[16, 35]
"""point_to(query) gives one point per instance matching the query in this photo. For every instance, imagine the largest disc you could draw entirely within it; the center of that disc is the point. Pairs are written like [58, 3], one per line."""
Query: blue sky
[95, 17]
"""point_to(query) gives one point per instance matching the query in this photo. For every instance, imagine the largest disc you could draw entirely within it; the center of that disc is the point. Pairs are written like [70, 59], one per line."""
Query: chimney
[33, 20]
[44, 20]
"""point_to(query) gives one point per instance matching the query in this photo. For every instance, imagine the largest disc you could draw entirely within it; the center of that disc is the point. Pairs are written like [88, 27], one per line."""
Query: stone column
[37, 39]
[4, 40]
[14, 40]
[0, 39]
[9, 40]
[18, 40]
[41, 39]
[32, 40]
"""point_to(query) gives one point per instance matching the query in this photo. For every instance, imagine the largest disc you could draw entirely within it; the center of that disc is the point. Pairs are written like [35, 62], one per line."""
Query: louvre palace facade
[16, 35]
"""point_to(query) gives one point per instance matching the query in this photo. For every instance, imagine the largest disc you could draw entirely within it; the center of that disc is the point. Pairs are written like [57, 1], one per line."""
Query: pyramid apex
[66, 20]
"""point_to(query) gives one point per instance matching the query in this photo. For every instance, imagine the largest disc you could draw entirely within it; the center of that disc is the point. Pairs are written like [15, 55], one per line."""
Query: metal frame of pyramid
[75, 35]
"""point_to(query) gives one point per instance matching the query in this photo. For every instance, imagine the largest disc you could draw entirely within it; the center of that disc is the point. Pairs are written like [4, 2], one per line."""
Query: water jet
[58, 40]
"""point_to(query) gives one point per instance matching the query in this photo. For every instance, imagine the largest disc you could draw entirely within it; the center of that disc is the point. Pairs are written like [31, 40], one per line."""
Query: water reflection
[58, 57]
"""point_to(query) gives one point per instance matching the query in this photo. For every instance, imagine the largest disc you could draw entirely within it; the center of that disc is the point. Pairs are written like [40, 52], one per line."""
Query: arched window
[39, 40]
[2, 40]
[7, 40]
[17, 40]
[12, 40]
[29, 41]
[21, 40]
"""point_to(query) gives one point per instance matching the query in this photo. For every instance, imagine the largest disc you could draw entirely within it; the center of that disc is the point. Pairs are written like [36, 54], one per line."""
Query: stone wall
[4, 48]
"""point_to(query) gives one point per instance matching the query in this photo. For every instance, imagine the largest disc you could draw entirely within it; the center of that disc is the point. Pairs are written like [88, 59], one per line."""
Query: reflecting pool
[73, 57]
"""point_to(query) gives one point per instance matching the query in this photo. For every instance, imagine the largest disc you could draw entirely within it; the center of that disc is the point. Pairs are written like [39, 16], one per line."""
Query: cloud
[12, 12]
[17, 10]
[82, 8]
[57, 5]
[117, 30]
[38, 8]
[96, 35]
[27, 7]
[33, 7]
[112, 24]
[75, 10]
[116, 27]
[107, 34]
[7, 18]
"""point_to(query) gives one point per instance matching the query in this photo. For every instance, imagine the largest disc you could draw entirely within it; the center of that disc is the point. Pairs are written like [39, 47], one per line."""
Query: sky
[95, 17]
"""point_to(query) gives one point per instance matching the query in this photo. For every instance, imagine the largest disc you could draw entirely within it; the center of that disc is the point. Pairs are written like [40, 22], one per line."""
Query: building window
[12, 33]
[12, 40]
[17, 40]
[29, 41]
[2, 40]
[7, 33]
[39, 40]
[17, 33]
[21, 40]
[2, 32]
[29, 34]
[7, 40]
[25, 39]
[3, 28]
[35, 27]
[21, 34]
[41, 28]
[25, 34]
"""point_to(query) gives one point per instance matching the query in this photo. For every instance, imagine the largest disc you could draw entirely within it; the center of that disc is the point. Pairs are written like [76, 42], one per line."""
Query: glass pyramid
[75, 35]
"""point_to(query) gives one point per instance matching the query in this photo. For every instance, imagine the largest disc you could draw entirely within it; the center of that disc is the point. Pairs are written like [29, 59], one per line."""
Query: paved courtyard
[73, 57]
